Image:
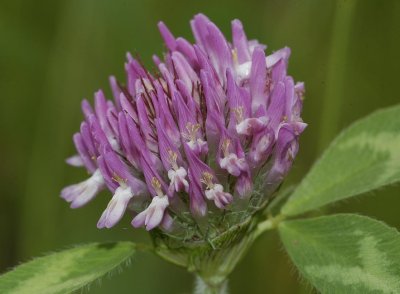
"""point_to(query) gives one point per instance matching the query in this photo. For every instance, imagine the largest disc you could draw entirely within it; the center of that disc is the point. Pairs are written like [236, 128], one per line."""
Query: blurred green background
[54, 53]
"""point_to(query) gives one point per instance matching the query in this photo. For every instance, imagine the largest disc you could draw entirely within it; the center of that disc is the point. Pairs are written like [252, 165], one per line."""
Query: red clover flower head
[196, 146]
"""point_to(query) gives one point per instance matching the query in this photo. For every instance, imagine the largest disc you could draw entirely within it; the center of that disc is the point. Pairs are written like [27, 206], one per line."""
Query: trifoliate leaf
[364, 157]
[66, 271]
[345, 253]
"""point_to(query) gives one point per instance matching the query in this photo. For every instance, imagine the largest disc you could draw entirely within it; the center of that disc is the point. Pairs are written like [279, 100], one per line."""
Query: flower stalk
[202, 287]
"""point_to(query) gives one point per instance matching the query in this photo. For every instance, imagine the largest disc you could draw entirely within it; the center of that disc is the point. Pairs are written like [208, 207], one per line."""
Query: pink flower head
[212, 132]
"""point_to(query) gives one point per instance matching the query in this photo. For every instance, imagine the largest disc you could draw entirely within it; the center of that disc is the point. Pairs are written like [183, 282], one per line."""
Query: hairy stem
[203, 287]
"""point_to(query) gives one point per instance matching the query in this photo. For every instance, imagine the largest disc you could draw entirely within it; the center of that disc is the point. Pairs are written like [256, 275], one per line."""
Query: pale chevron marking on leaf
[386, 143]
[67, 270]
[372, 274]
[362, 158]
[52, 272]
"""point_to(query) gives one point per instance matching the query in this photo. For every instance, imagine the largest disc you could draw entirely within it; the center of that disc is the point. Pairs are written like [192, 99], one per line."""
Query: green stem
[203, 287]
[271, 223]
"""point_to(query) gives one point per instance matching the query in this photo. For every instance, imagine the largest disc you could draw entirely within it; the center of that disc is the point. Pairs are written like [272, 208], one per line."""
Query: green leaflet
[66, 271]
[364, 157]
[345, 253]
